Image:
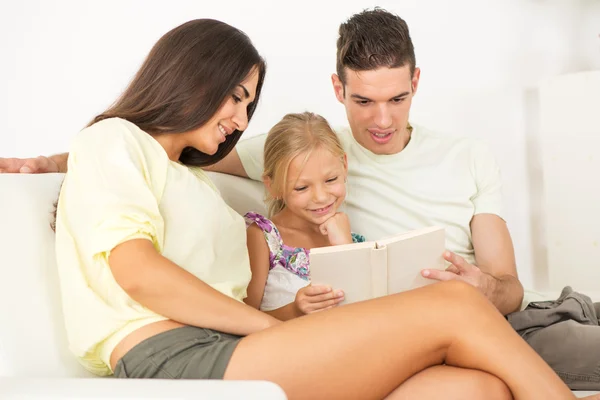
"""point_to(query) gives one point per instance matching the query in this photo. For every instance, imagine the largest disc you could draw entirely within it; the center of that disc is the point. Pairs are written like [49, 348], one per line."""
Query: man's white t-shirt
[435, 180]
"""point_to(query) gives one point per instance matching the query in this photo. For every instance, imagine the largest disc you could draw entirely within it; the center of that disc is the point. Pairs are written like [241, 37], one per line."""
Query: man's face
[377, 106]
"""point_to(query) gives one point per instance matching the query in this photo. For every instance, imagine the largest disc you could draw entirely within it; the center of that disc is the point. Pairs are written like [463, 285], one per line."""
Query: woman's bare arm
[169, 290]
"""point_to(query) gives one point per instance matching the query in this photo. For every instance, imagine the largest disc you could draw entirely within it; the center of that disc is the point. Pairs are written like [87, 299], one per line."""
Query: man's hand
[337, 229]
[311, 299]
[462, 271]
[497, 279]
[36, 165]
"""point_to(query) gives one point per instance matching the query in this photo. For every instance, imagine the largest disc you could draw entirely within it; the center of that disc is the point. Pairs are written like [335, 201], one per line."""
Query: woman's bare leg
[366, 350]
[452, 383]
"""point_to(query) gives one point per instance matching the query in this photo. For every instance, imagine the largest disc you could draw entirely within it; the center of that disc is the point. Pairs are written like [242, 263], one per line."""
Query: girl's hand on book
[311, 298]
[337, 229]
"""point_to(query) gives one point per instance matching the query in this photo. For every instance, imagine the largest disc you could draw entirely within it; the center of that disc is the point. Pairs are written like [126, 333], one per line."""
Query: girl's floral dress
[289, 268]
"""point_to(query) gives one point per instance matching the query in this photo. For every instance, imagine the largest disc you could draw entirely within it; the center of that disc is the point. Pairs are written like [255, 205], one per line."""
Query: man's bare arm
[231, 165]
[61, 161]
[495, 255]
[37, 165]
[495, 274]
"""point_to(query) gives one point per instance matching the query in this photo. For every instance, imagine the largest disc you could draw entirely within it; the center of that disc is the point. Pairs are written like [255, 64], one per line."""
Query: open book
[378, 268]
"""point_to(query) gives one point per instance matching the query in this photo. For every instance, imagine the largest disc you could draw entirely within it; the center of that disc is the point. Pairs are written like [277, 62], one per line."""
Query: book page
[410, 253]
[348, 270]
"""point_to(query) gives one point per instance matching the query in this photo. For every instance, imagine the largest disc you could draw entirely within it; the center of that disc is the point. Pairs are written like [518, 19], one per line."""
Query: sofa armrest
[129, 389]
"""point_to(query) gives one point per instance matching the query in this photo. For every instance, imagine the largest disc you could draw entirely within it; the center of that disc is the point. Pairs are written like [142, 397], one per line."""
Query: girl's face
[316, 188]
[231, 116]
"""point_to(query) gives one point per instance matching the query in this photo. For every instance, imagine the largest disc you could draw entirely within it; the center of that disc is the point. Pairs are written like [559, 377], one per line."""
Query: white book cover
[378, 268]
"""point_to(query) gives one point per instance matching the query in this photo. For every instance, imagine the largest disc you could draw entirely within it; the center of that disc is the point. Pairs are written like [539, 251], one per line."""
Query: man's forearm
[506, 293]
[61, 161]
[231, 164]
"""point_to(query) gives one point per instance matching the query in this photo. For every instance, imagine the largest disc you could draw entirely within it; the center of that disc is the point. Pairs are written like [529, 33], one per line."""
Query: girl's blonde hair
[296, 134]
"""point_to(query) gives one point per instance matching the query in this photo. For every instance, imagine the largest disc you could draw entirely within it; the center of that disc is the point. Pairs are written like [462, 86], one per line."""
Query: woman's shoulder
[117, 136]
[113, 130]
[110, 127]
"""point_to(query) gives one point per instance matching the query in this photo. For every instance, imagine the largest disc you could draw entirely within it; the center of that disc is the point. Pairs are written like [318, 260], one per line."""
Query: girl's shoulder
[268, 228]
[265, 224]
[293, 259]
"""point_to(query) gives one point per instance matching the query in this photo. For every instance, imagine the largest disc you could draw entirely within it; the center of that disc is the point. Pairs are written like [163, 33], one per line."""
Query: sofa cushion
[241, 194]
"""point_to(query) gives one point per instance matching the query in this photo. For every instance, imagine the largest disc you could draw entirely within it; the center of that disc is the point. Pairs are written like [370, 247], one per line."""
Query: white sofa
[34, 360]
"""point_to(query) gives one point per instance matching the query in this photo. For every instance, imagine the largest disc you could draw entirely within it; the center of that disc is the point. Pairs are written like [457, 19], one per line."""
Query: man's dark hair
[373, 39]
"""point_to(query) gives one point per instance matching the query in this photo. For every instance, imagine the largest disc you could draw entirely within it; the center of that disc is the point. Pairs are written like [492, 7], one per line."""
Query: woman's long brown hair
[187, 76]
[185, 79]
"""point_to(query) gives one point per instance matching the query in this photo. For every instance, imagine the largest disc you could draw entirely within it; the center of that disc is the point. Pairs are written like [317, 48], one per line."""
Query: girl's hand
[311, 299]
[337, 229]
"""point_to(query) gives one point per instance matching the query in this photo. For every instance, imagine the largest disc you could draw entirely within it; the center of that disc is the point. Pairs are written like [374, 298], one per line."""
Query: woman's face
[231, 116]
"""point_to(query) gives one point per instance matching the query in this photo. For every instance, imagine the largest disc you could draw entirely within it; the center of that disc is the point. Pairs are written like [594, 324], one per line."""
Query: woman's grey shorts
[182, 353]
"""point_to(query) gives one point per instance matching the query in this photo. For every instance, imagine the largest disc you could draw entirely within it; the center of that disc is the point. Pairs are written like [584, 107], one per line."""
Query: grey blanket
[566, 334]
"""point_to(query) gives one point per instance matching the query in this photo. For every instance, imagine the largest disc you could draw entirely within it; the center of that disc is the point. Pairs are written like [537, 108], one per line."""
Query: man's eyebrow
[359, 97]
[403, 94]
[363, 98]
[246, 93]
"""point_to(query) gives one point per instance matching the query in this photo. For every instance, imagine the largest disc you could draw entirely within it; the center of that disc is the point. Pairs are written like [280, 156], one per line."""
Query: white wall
[62, 62]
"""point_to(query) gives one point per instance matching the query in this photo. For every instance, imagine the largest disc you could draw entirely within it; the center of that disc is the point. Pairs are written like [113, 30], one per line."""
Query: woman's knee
[452, 383]
[459, 291]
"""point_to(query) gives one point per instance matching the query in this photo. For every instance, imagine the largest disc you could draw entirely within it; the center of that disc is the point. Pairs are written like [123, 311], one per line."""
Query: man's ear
[338, 87]
[415, 80]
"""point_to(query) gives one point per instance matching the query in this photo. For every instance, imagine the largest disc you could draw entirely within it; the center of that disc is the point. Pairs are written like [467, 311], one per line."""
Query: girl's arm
[169, 290]
[287, 312]
[308, 299]
[258, 251]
